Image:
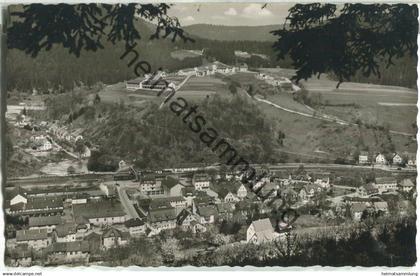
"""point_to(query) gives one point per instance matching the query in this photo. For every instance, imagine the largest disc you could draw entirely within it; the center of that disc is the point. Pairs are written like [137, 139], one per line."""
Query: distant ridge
[232, 33]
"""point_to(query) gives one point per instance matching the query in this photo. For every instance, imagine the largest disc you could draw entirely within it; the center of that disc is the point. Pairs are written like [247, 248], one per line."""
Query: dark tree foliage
[86, 26]
[321, 38]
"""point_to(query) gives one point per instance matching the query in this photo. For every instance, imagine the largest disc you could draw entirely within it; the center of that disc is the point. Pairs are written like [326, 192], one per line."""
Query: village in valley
[104, 171]
[75, 217]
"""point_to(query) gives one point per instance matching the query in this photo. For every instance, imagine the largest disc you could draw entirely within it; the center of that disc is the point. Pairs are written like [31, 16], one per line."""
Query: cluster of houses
[385, 184]
[71, 137]
[41, 143]
[155, 81]
[367, 199]
[76, 224]
[62, 133]
[61, 221]
[282, 82]
[409, 159]
[213, 68]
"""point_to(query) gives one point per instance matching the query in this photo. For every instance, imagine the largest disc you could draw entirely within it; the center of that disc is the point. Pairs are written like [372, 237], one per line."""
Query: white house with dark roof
[201, 181]
[357, 210]
[48, 222]
[406, 185]
[381, 206]
[185, 218]
[19, 196]
[65, 232]
[364, 158]
[261, 231]
[380, 159]
[385, 184]
[36, 239]
[172, 187]
[105, 212]
[207, 214]
[69, 252]
[323, 182]
[161, 219]
[135, 227]
[397, 159]
[113, 238]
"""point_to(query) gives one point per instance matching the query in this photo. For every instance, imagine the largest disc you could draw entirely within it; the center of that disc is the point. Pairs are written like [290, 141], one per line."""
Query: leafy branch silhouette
[321, 38]
[85, 26]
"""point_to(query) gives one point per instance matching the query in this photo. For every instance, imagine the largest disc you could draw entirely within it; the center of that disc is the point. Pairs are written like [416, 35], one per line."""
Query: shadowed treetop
[85, 26]
[322, 38]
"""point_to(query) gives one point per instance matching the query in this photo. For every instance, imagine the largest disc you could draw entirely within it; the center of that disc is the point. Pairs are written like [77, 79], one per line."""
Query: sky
[232, 14]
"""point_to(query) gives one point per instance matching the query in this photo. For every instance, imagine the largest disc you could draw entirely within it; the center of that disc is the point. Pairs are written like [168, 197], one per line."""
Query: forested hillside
[156, 138]
[233, 33]
[57, 70]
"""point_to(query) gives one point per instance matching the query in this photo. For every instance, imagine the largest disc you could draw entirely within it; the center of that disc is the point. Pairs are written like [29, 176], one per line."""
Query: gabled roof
[28, 235]
[225, 207]
[201, 177]
[370, 187]
[358, 207]
[76, 246]
[381, 205]
[182, 216]
[18, 191]
[44, 221]
[101, 209]
[206, 211]
[114, 233]
[262, 225]
[169, 182]
[63, 230]
[44, 203]
[407, 183]
[133, 223]
[163, 214]
[203, 199]
[165, 201]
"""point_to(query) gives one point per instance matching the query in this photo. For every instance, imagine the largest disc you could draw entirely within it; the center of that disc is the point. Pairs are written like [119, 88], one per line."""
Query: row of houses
[41, 143]
[382, 159]
[213, 68]
[385, 184]
[62, 133]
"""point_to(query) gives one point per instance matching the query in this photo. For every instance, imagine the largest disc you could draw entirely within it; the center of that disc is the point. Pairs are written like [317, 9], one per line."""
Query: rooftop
[407, 183]
[164, 214]
[44, 221]
[112, 232]
[76, 246]
[28, 235]
[133, 223]
[101, 209]
[63, 230]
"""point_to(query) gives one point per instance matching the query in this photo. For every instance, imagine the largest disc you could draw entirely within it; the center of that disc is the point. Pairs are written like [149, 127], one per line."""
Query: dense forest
[153, 138]
[57, 70]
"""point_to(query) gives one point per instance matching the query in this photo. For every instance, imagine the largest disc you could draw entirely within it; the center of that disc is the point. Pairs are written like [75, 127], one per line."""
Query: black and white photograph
[209, 134]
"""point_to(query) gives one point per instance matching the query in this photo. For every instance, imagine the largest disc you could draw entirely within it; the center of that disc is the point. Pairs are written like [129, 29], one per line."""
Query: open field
[312, 138]
[197, 88]
[390, 106]
[182, 54]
